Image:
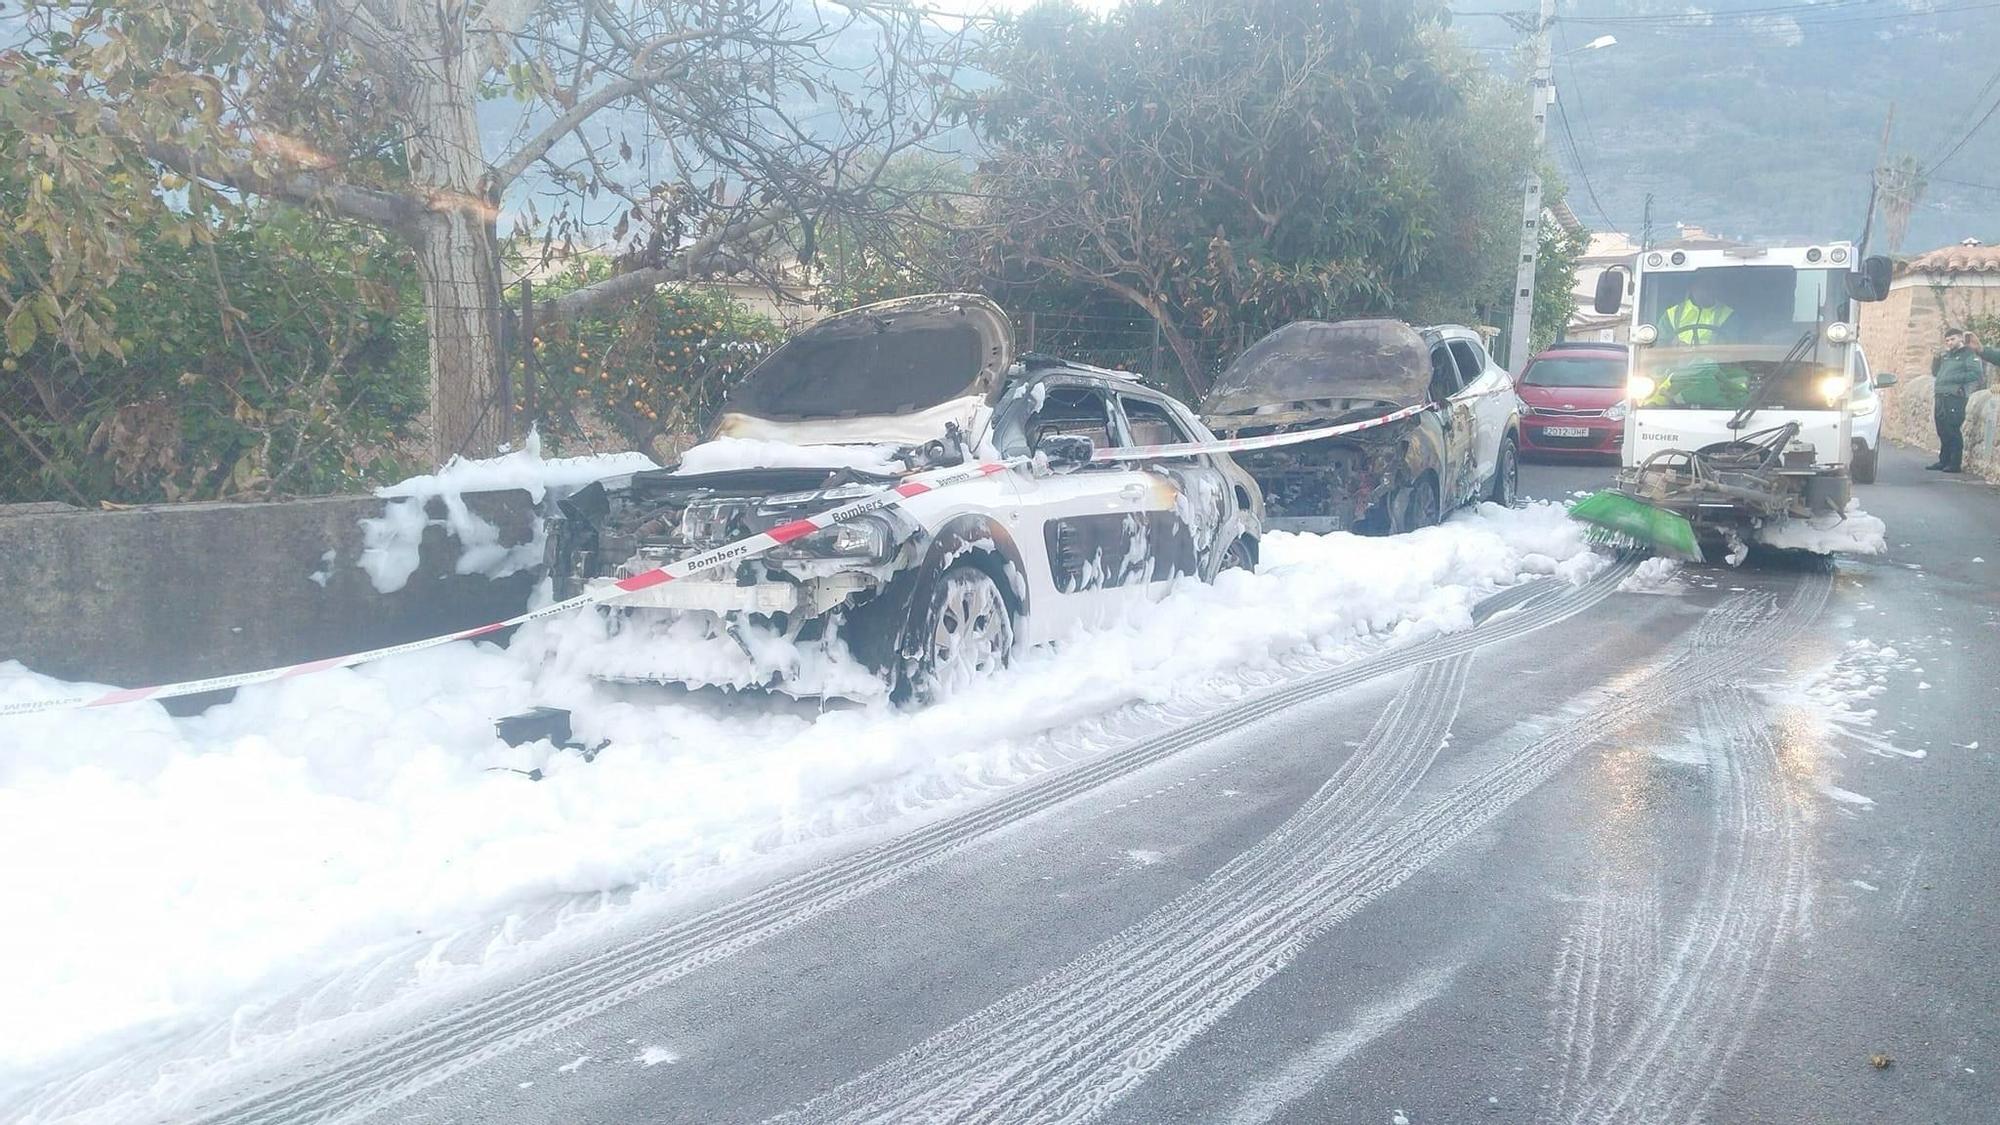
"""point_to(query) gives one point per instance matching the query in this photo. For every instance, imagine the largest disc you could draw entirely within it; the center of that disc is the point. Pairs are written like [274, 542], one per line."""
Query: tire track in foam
[1070, 1044]
[381, 1072]
[1690, 1014]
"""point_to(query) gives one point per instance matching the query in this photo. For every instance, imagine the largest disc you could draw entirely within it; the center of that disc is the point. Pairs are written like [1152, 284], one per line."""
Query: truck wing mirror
[1871, 281]
[1610, 292]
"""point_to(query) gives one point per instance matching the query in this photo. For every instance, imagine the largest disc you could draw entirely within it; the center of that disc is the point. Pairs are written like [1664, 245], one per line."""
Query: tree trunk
[458, 267]
[458, 252]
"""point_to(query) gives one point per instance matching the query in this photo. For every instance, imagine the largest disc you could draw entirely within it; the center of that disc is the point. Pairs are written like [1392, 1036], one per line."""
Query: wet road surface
[1720, 850]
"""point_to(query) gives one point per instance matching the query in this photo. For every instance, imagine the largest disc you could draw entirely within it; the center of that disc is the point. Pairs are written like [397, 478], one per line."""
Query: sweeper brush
[1619, 520]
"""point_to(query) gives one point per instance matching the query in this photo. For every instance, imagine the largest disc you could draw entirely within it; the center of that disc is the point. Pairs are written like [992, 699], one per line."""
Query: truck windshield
[1724, 329]
[1575, 371]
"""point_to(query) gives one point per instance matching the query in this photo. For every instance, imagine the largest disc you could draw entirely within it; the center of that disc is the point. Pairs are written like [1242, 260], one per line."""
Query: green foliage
[1242, 163]
[659, 367]
[1555, 285]
[252, 360]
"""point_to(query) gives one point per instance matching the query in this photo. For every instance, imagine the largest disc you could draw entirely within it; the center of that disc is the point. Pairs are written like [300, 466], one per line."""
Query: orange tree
[660, 366]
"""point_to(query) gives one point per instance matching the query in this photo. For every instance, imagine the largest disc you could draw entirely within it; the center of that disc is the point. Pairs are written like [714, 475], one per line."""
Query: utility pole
[1541, 92]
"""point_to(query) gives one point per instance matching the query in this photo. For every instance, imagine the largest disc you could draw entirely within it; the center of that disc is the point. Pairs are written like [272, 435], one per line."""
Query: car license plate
[1566, 431]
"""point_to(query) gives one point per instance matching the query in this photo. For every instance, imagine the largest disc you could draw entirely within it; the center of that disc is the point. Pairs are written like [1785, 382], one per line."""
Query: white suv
[914, 599]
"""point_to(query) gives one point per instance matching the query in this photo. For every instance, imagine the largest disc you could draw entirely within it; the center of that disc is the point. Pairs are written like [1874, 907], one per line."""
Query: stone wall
[177, 592]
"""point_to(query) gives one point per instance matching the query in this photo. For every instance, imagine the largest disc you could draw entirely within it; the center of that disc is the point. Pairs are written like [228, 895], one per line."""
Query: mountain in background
[1761, 119]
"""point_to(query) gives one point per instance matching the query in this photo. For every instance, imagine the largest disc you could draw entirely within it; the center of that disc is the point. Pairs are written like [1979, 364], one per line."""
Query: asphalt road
[1614, 855]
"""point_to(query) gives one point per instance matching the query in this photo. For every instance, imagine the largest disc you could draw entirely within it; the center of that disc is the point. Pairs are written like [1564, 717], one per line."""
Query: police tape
[746, 548]
[1261, 441]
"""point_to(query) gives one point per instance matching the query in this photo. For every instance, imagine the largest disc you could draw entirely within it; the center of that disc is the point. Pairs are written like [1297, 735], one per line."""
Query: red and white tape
[741, 549]
[746, 548]
[1261, 441]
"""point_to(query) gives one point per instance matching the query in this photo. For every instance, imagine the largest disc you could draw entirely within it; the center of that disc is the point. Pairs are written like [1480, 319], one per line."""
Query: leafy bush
[247, 361]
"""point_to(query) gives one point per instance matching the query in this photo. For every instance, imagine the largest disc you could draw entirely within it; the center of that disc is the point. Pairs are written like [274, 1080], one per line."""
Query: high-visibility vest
[1689, 323]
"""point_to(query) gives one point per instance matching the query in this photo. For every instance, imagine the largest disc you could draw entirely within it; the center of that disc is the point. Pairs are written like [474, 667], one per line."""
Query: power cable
[1981, 123]
[1576, 157]
[1969, 134]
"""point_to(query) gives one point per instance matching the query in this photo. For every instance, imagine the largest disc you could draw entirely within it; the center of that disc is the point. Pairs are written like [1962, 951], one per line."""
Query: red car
[1573, 401]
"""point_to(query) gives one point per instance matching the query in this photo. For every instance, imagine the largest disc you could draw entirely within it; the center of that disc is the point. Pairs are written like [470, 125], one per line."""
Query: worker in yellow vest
[1697, 320]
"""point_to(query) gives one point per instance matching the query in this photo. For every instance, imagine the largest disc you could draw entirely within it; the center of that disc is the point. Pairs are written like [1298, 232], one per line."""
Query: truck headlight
[1619, 409]
[1834, 388]
[1839, 332]
[865, 538]
[1639, 388]
[1645, 334]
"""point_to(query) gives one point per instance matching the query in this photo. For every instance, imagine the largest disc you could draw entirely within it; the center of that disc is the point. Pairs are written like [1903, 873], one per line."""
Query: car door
[1490, 391]
[1461, 426]
[1095, 541]
[1183, 534]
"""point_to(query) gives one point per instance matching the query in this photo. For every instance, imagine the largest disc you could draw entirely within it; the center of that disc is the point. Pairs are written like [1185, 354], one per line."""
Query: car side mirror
[1610, 292]
[1871, 281]
[1884, 379]
[1064, 453]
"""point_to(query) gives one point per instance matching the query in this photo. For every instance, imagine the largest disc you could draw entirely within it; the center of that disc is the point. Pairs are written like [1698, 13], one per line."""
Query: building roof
[1953, 259]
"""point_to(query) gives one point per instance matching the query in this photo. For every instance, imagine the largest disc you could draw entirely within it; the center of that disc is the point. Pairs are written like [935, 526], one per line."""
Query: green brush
[1619, 519]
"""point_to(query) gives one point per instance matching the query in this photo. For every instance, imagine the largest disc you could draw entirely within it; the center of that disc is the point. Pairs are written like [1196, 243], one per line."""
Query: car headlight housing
[1619, 410]
[863, 539]
[1863, 407]
[1835, 388]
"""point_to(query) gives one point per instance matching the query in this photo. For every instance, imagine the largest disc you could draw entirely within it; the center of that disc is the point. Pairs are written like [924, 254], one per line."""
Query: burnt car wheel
[969, 633]
[1237, 556]
[1420, 505]
[1507, 474]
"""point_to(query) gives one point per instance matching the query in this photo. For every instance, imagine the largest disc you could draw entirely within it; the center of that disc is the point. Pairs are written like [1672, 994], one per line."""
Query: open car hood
[1311, 365]
[886, 360]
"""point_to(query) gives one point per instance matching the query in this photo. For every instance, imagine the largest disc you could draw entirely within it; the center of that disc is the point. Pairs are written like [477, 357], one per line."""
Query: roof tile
[1954, 259]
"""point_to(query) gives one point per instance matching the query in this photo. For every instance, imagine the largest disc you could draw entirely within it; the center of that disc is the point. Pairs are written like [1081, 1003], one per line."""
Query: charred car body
[915, 598]
[1391, 478]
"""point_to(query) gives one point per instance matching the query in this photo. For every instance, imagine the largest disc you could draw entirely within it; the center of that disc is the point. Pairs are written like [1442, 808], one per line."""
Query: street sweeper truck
[1742, 369]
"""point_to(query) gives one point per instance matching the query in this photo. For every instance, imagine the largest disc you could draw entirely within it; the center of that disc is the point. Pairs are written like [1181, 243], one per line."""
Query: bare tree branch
[390, 210]
[700, 256]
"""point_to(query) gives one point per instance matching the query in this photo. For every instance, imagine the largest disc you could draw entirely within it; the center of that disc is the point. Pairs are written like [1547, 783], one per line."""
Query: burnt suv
[913, 600]
[1394, 477]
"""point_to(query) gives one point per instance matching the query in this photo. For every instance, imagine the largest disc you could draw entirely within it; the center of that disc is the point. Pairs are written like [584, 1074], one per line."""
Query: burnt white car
[913, 600]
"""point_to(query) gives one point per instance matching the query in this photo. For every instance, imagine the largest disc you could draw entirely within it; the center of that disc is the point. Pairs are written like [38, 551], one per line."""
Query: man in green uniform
[1958, 371]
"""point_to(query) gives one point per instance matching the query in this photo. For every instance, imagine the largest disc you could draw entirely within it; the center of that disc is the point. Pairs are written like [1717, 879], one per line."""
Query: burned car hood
[887, 360]
[1313, 365]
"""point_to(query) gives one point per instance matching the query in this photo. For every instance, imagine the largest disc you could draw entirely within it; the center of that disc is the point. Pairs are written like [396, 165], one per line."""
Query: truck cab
[1742, 366]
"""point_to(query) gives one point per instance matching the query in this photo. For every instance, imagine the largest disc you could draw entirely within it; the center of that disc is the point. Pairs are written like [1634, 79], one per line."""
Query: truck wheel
[1862, 468]
[968, 633]
[1507, 473]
